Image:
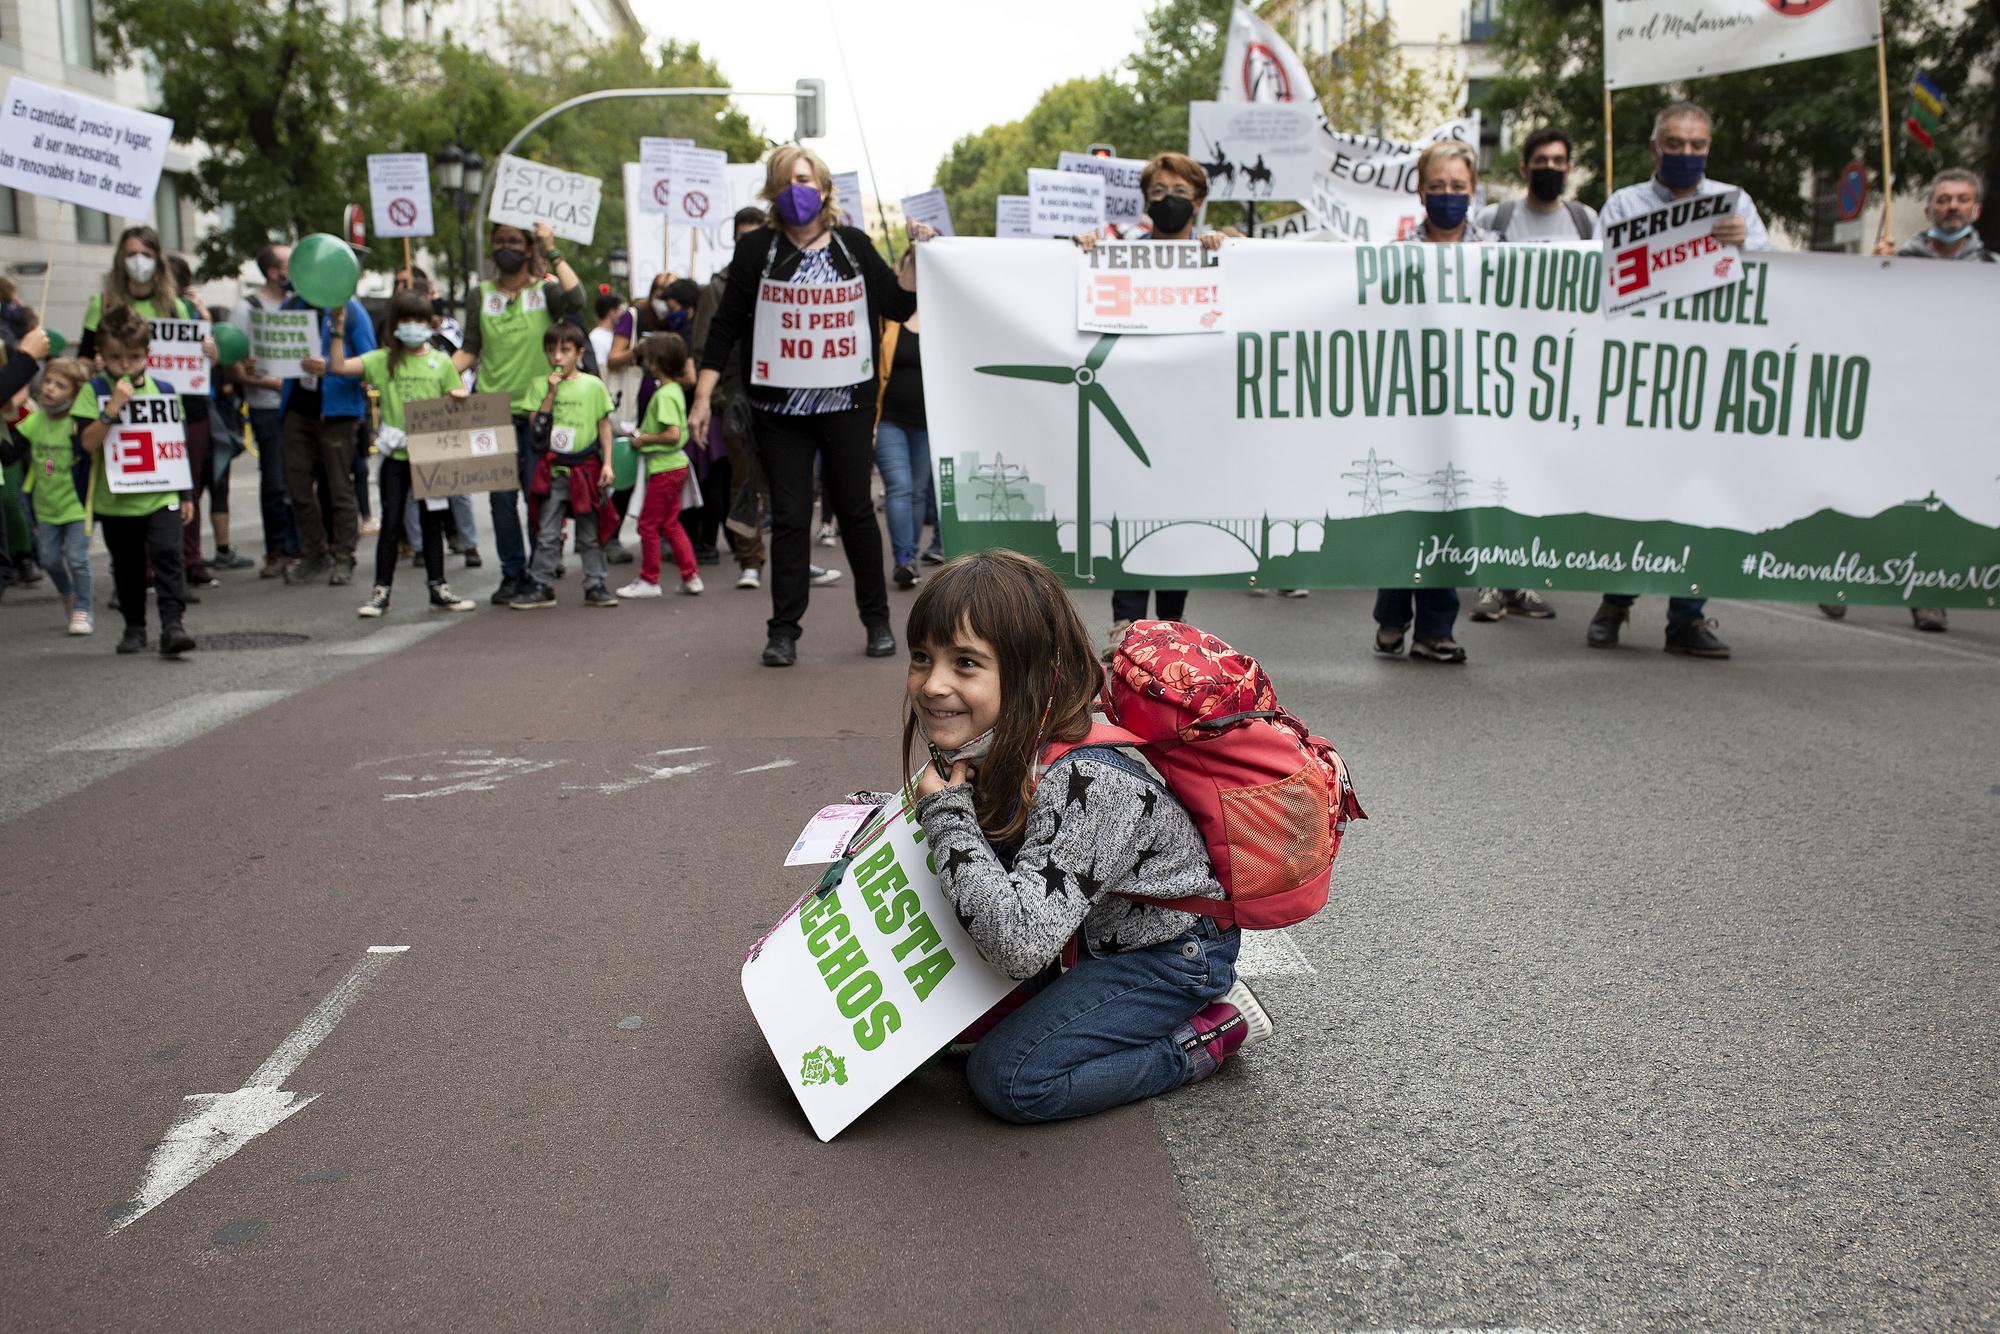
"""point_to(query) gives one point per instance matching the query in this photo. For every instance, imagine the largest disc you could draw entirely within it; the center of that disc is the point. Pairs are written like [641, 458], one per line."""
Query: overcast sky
[924, 73]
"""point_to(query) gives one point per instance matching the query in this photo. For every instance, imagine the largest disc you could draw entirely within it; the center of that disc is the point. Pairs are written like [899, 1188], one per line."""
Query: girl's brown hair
[410, 305]
[1048, 670]
[664, 355]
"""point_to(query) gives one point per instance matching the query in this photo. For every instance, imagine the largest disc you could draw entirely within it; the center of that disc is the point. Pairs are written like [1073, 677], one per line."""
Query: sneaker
[510, 588]
[343, 573]
[443, 599]
[274, 566]
[1530, 604]
[370, 527]
[597, 595]
[1258, 592]
[616, 554]
[780, 651]
[203, 579]
[1295, 592]
[640, 588]
[1221, 1028]
[1489, 605]
[1930, 620]
[377, 603]
[133, 640]
[827, 536]
[1696, 640]
[881, 642]
[1389, 639]
[473, 560]
[1833, 611]
[1604, 626]
[692, 587]
[932, 557]
[1256, 1019]
[533, 596]
[750, 578]
[81, 624]
[229, 558]
[906, 576]
[1446, 649]
[821, 576]
[175, 640]
[309, 570]
[1112, 639]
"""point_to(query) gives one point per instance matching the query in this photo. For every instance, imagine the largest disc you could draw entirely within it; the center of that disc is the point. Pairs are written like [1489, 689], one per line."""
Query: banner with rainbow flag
[1926, 109]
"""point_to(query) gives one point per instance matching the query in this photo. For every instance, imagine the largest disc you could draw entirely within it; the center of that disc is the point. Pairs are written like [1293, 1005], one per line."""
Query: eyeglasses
[1177, 191]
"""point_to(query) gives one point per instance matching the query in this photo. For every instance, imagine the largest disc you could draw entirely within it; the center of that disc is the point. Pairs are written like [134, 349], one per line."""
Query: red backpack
[1270, 799]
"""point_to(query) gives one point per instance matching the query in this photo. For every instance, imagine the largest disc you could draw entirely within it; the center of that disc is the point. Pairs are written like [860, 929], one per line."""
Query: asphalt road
[1657, 994]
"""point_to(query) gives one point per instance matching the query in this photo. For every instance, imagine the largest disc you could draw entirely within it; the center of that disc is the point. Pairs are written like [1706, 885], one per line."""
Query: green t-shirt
[93, 313]
[424, 373]
[103, 500]
[51, 451]
[511, 360]
[582, 401]
[666, 408]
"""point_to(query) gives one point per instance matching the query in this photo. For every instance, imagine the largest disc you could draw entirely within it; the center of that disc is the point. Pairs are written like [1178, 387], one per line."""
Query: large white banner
[1659, 41]
[1402, 415]
[93, 154]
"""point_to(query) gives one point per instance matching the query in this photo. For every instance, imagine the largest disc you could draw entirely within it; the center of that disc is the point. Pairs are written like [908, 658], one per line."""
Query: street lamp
[462, 172]
[620, 265]
[451, 169]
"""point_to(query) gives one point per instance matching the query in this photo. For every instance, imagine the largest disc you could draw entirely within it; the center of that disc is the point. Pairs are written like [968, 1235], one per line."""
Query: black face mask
[1546, 183]
[509, 260]
[1170, 214]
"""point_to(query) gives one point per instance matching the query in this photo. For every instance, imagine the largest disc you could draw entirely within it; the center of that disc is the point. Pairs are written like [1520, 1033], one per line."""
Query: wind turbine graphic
[1089, 394]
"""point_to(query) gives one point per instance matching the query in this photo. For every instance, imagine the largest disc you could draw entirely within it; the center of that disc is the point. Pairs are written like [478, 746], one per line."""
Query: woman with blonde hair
[802, 313]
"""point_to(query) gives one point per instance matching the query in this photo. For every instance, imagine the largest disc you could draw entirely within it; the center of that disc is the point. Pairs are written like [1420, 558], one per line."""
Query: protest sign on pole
[399, 194]
[1063, 203]
[1440, 416]
[1123, 200]
[645, 233]
[94, 154]
[857, 987]
[1255, 151]
[1149, 287]
[930, 208]
[1011, 217]
[1667, 253]
[460, 445]
[281, 339]
[656, 164]
[701, 186]
[147, 449]
[174, 357]
[1661, 41]
[847, 196]
[525, 193]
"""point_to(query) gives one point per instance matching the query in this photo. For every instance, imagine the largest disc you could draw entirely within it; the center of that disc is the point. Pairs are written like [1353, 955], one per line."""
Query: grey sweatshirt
[1095, 834]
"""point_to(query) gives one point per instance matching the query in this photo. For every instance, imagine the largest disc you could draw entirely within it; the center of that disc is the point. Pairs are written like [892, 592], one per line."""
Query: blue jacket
[340, 395]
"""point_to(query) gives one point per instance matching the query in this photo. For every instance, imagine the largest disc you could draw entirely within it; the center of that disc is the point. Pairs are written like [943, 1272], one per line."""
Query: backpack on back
[1270, 799]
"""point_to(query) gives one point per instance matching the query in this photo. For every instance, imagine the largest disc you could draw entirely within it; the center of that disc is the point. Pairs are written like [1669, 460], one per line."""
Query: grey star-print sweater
[1095, 834]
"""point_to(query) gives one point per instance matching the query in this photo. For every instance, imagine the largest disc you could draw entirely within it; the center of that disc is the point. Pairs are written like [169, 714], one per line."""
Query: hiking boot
[133, 640]
[1604, 626]
[1931, 620]
[780, 651]
[1833, 611]
[597, 595]
[1112, 639]
[510, 588]
[309, 570]
[906, 576]
[343, 573]
[533, 596]
[443, 599]
[1446, 649]
[1696, 640]
[1530, 604]
[751, 577]
[1489, 605]
[175, 640]
[820, 576]
[640, 588]
[377, 603]
[881, 642]
[1221, 1028]
[1389, 639]
[473, 560]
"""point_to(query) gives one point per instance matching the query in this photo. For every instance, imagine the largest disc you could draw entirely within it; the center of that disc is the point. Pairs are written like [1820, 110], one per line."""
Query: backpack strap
[1101, 736]
[1503, 218]
[1580, 218]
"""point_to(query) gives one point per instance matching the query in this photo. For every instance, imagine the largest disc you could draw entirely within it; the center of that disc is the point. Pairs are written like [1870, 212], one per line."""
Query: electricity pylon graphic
[999, 477]
[1450, 485]
[1372, 472]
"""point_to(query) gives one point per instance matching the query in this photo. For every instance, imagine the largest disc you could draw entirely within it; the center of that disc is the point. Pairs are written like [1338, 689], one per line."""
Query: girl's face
[56, 389]
[955, 689]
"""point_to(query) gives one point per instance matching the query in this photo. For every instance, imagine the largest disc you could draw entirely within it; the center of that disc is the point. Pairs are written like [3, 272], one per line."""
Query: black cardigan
[729, 330]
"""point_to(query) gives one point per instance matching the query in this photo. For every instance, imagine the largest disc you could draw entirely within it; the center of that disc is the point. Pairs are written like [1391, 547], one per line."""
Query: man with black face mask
[1544, 215]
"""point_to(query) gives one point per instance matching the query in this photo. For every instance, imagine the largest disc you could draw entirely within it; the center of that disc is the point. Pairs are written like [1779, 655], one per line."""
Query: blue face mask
[1940, 234]
[677, 320]
[413, 335]
[1678, 171]
[1446, 212]
[799, 204]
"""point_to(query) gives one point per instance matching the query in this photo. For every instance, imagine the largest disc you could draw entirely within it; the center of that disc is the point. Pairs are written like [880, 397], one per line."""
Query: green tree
[981, 167]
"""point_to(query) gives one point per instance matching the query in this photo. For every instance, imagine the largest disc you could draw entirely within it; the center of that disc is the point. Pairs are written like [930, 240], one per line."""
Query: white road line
[763, 768]
[1914, 639]
[647, 774]
[173, 724]
[1272, 954]
[389, 639]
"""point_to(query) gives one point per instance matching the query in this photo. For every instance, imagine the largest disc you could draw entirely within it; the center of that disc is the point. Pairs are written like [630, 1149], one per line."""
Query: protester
[903, 445]
[460, 527]
[1447, 178]
[21, 365]
[1000, 664]
[1175, 187]
[57, 476]
[730, 408]
[536, 288]
[409, 370]
[15, 319]
[799, 423]
[609, 307]
[264, 394]
[572, 439]
[661, 440]
[139, 527]
[319, 418]
[224, 440]
[1682, 136]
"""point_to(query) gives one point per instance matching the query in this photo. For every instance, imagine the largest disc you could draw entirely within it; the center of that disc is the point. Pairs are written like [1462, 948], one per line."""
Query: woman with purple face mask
[802, 313]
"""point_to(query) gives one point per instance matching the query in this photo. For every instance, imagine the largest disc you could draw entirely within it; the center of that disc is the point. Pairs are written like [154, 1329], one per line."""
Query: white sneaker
[1255, 1017]
[827, 536]
[81, 624]
[639, 588]
[691, 587]
[821, 576]
[377, 603]
[750, 578]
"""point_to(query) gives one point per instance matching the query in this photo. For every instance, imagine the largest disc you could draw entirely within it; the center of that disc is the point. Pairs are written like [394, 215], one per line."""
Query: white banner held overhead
[1124, 201]
[63, 145]
[1661, 41]
[525, 193]
[1063, 203]
[399, 194]
[1254, 152]
[1012, 217]
[1667, 253]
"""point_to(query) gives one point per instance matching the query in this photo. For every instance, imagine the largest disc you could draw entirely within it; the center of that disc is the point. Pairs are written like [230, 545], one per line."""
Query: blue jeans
[506, 505]
[903, 456]
[281, 529]
[1102, 1034]
[64, 551]
[1436, 610]
[1681, 612]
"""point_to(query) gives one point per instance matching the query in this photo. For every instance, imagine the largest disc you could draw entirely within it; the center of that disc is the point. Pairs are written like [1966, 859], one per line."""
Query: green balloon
[231, 344]
[56, 341]
[324, 270]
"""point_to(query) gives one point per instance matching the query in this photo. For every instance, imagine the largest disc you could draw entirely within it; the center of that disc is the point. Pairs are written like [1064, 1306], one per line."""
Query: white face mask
[141, 268]
[660, 310]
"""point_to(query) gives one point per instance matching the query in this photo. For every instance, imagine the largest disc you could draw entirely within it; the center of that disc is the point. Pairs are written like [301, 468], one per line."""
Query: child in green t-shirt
[47, 437]
[572, 428]
[662, 444]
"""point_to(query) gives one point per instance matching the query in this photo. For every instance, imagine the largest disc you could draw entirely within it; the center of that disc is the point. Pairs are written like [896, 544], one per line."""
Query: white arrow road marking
[213, 1126]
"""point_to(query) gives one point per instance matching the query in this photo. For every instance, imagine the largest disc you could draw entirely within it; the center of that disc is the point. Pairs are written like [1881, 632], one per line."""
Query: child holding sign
[661, 441]
[138, 478]
[407, 370]
[572, 429]
[1080, 850]
[57, 473]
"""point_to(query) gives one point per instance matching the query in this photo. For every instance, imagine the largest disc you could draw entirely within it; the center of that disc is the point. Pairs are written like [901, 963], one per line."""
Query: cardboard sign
[1149, 287]
[461, 445]
[656, 172]
[525, 193]
[399, 194]
[63, 145]
[1255, 150]
[1123, 200]
[1667, 252]
[856, 988]
[281, 339]
[147, 449]
[930, 208]
[847, 194]
[1011, 217]
[1063, 203]
[175, 356]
